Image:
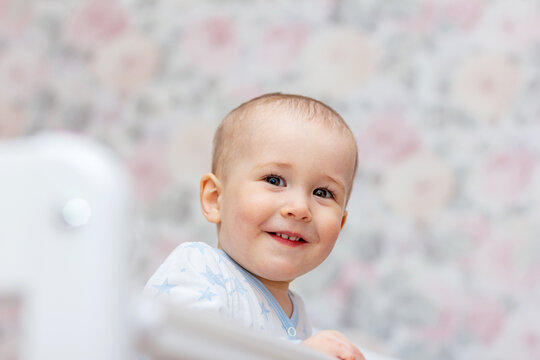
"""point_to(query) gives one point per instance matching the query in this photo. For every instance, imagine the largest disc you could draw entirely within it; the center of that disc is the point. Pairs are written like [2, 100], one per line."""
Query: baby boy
[282, 173]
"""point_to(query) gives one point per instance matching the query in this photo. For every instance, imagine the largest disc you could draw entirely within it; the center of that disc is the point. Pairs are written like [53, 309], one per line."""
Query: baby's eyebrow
[276, 164]
[337, 182]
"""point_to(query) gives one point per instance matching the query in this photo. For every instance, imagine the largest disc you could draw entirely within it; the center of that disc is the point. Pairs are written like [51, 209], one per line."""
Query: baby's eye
[274, 180]
[324, 193]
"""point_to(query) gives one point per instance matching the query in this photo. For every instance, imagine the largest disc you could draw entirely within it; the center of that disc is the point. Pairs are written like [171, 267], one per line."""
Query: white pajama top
[200, 277]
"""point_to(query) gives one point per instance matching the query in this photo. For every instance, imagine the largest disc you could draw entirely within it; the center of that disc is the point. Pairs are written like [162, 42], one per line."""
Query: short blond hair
[228, 132]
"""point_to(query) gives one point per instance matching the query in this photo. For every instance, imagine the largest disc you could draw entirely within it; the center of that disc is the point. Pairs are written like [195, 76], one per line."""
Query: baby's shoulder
[192, 263]
[196, 247]
[194, 253]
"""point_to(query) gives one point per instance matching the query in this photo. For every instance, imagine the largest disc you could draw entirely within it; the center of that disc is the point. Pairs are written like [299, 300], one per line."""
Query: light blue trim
[289, 325]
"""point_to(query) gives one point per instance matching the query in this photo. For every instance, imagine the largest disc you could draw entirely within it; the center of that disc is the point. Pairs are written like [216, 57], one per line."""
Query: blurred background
[440, 258]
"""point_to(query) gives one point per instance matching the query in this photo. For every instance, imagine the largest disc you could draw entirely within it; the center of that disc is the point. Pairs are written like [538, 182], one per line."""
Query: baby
[282, 173]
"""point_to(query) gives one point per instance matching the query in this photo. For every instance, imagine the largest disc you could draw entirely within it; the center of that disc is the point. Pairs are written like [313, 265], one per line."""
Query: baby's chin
[275, 270]
[276, 275]
[273, 278]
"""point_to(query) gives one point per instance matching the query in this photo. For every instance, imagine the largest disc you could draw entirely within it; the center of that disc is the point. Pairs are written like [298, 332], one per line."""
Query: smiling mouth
[287, 237]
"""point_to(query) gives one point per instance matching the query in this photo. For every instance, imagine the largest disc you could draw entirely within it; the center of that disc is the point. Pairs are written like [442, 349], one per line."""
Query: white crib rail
[167, 332]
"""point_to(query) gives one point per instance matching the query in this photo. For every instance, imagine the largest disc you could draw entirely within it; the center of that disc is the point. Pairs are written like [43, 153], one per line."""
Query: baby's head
[230, 136]
[282, 173]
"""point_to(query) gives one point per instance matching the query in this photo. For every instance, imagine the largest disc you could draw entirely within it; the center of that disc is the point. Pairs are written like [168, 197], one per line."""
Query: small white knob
[77, 212]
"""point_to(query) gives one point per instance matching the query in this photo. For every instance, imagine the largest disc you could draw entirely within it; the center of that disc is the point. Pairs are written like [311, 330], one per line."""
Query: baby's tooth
[292, 238]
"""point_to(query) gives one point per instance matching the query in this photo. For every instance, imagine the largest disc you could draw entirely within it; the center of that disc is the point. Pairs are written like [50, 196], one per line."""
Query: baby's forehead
[248, 120]
[259, 124]
[249, 132]
[258, 117]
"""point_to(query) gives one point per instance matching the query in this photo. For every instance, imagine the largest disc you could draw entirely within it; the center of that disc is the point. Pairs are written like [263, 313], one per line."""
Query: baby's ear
[209, 196]
[344, 218]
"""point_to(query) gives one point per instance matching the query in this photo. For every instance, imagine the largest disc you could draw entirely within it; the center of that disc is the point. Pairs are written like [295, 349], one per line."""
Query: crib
[65, 293]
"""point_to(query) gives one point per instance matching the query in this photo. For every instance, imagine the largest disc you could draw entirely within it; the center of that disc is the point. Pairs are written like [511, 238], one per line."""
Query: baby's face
[282, 204]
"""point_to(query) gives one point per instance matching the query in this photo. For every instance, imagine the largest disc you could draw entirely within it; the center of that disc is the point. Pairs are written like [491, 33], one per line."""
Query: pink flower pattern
[281, 45]
[95, 22]
[385, 140]
[439, 257]
[507, 174]
[14, 17]
[212, 44]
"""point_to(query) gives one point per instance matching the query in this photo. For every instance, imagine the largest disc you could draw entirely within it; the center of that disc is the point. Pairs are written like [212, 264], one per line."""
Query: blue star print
[238, 287]
[164, 288]
[206, 294]
[214, 279]
[264, 310]
[200, 246]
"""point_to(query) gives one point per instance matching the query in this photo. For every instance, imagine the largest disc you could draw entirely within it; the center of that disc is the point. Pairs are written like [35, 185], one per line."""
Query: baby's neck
[280, 291]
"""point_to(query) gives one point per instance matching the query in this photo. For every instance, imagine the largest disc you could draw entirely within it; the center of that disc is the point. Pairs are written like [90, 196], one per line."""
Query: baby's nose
[297, 208]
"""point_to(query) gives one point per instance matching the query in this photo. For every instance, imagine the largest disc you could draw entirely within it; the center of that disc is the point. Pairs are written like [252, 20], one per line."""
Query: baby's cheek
[332, 228]
[252, 208]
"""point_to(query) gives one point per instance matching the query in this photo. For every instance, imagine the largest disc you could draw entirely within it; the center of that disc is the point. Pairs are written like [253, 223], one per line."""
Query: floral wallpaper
[440, 258]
